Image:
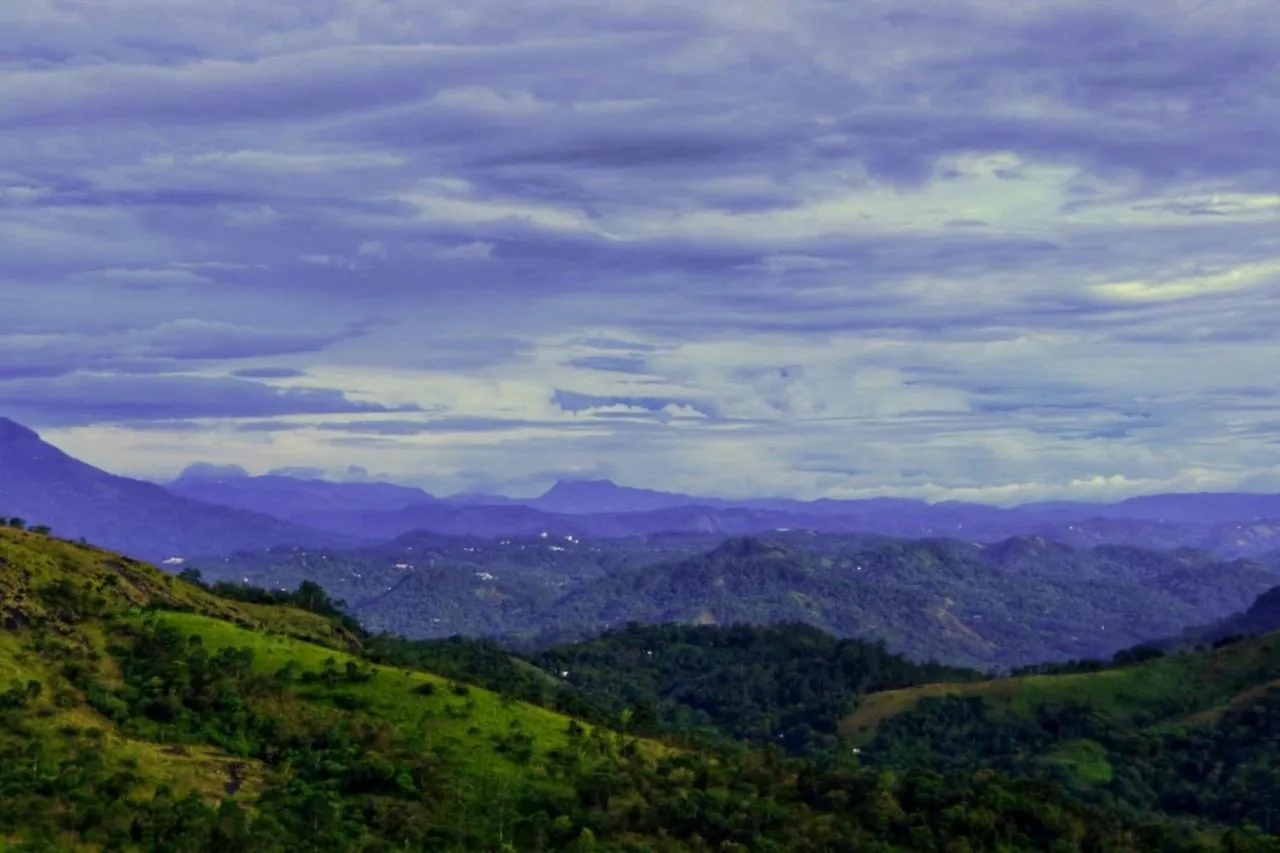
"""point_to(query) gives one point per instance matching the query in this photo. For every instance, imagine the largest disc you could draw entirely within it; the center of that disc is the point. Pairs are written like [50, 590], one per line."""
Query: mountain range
[1020, 601]
[202, 514]
[1228, 524]
[42, 485]
[148, 712]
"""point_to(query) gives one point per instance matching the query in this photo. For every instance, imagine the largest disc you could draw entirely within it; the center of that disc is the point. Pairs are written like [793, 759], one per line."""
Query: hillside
[44, 486]
[47, 580]
[786, 684]
[1029, 601]
[148, 713]
[1230, 525]
[98, 666]
[425, 584]
[1021, 601]
[1262, 616]
[292, 497]
[1191, 733]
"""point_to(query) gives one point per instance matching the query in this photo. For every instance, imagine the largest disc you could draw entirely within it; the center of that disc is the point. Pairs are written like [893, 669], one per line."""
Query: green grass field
[29, 562]
[466, 721]
[1085, 759]
[1181, 688]
[391, 694]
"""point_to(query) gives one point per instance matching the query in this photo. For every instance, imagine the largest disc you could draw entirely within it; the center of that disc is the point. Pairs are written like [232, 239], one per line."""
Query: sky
[979, 250]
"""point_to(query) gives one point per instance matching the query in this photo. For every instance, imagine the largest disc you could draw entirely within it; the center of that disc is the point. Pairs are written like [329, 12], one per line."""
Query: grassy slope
[277, 635]
[198, 769]
[1190, 687]
[390, 695]
[29, 561]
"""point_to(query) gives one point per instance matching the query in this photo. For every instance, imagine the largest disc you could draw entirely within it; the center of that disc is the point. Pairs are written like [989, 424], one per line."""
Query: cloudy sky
[939, 248]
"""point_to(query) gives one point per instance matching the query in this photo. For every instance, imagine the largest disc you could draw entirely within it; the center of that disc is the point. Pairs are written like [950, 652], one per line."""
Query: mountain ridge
[44, 485]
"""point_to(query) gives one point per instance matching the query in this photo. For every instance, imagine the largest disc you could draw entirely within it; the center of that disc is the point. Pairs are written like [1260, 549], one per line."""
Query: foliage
[1192, 734]
[788, 684]
[1015, 603]
[323, 748]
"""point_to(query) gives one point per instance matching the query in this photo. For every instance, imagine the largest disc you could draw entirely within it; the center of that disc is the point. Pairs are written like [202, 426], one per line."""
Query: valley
[556, 684]
[1025, 600]
[253, 720]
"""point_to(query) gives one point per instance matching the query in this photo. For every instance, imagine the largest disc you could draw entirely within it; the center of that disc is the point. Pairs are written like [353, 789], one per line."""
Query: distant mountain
[1229, 524]
[293, 497]
[577, 497]
[428, 584]
[1030, 600]
[42, 485]
[522, 520]
[1020, 601]
[1226, 539]
[1261, 617]
[1201, 508]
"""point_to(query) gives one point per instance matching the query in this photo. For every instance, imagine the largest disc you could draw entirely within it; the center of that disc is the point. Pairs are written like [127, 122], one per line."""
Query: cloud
[81, 400]
[212, 471]
[269, 373]
[577, 403]
[610, 364]
[143, 279]
[1244, 276]
[475, 250]
[939, 249]
[158, 349]
[299, 472]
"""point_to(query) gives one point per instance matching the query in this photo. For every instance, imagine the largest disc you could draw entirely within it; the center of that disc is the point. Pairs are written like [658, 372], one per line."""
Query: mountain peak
[12, 432]
[747, 547]
[212, 471]
[601, 496]
[579, 486]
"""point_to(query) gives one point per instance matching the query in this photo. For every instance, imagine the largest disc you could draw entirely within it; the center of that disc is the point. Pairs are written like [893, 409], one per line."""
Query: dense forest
[1022, 601]
[151, 712]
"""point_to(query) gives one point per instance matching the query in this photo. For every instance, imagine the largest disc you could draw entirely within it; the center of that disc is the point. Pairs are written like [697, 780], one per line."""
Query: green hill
[788, 684]
[44, 579]
[136, 682]
[147, 712]
[1192, 733]
[1162, 689]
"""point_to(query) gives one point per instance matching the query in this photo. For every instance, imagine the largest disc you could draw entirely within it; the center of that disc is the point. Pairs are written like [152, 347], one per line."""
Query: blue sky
[978, 250]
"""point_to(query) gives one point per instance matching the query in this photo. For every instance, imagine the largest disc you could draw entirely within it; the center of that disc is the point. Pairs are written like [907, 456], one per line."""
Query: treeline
[1225, 770]
[21, 524]
[329, 776]
[309, 596]
[788, 684]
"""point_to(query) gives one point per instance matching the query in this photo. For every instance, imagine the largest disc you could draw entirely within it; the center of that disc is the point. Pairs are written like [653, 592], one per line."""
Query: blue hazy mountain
[44, 486]
[291, 497]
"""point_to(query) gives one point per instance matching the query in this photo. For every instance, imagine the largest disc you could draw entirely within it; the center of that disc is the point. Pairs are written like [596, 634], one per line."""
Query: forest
[151, 712]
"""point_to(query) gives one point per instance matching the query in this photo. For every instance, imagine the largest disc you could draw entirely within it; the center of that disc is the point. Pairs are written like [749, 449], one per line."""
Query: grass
[14, 661]
[500, 744]
[470, 722]
[201, 769]
[1190, 687]
[467, 724]
[1085, 759]
[29, 561]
